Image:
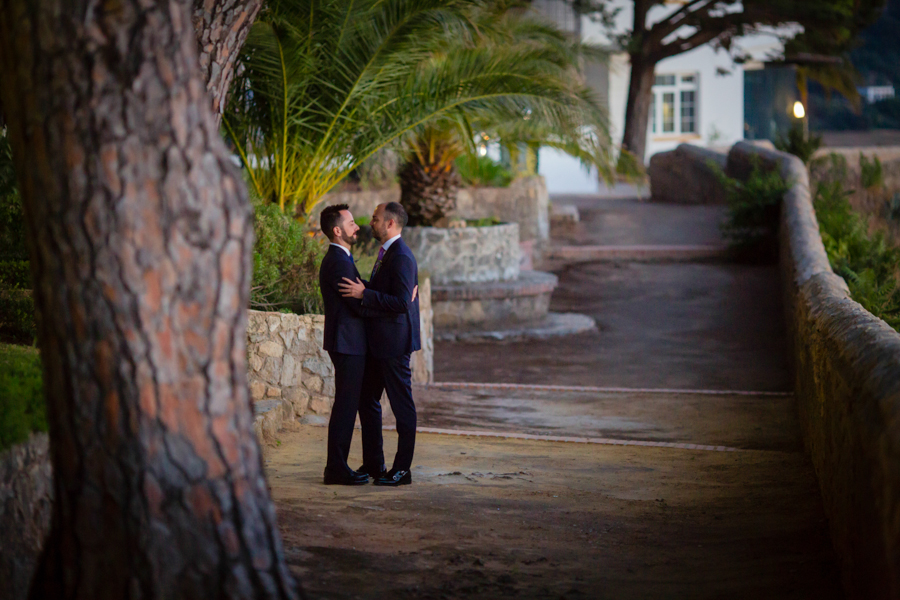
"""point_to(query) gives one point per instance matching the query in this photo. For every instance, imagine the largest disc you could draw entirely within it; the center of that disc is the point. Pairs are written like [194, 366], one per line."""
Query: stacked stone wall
[466, 254]
[286, 361]
[846, 365]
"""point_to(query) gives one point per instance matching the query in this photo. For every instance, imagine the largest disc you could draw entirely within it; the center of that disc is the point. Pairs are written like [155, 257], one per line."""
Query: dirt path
[505, 518]
[636, 509]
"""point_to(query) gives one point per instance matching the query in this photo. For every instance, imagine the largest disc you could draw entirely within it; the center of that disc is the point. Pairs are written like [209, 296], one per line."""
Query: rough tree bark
[221, 27]
[140, 242]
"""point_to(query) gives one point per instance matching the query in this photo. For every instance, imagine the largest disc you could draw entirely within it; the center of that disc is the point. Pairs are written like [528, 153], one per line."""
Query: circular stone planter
[466, 254]
[527, 298]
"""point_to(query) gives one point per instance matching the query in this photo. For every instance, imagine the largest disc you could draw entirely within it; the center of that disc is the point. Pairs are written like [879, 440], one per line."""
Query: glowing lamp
[799, 111]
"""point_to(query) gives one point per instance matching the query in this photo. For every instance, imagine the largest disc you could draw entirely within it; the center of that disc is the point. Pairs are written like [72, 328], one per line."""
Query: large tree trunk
[221, 27]
[637, 113]
[140, 239]
[640, 88]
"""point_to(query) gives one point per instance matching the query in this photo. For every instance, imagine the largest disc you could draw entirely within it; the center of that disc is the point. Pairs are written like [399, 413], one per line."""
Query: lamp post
[800, 113]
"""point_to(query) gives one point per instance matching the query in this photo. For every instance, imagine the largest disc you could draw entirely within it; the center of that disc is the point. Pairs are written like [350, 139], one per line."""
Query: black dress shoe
[347, 477]
[394, 477]
[373, 472]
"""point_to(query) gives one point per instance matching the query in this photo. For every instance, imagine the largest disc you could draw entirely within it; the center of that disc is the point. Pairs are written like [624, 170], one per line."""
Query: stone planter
[466, 254]
[524, 299]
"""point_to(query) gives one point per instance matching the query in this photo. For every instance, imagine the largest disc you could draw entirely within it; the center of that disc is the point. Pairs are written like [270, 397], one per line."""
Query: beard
[348, 239]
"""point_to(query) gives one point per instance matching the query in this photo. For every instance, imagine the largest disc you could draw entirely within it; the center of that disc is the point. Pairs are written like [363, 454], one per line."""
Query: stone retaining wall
[286, 361]
[466, 254]
[846, 366]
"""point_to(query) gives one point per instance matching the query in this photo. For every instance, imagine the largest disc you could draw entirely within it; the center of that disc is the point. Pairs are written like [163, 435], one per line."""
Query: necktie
[377, 262]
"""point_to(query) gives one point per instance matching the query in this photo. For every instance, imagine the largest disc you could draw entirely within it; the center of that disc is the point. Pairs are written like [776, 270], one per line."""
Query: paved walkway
[657, 458]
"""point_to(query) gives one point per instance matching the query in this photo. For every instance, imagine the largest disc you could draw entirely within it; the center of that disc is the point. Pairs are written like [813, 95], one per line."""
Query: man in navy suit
[391, 340]
[345, 340]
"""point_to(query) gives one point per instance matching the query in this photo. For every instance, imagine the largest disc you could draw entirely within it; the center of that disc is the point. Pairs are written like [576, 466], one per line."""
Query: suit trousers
[394, 376]
[349, 370]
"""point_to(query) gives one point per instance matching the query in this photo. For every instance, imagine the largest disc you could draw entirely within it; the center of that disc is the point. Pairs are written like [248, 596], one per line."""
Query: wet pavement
[684, 325]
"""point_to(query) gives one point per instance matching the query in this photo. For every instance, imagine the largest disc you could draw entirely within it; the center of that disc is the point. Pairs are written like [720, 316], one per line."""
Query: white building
[698, 97]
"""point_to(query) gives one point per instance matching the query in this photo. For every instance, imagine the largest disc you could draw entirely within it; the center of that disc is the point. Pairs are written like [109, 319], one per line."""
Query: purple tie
[377, 262]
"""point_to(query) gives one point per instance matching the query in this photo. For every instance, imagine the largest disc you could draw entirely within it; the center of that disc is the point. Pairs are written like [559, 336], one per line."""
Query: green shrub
[17, 322]
[751, 227]
[871, 172]
[830, 168]
[22, 408]
[12, 221]
[894, 207]
[482, 171]
[15, 274]
[797, 142]
[485, 222]
[286, 261]
[867, 262]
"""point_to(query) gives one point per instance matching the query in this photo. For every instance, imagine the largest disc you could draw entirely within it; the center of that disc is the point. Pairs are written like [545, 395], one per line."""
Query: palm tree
[325, 84]
[548, 105]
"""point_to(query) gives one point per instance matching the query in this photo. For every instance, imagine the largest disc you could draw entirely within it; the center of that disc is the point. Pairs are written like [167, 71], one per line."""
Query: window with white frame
[673, 106]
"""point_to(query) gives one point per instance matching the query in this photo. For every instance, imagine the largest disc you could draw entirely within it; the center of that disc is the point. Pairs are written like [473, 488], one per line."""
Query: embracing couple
[371, 329]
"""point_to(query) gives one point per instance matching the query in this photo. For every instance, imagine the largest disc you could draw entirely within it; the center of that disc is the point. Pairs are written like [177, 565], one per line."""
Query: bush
[485, 222]
[22, 407]
[797, 142]
[15, 275]
[830, 168]
[286, 261]
[17, 322]
[871, 172]
[482, 171]
[867, 262]
[12, 221]
[753, 209]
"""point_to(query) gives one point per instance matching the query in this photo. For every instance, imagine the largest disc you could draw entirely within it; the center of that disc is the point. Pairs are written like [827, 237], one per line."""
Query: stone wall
[525, 202]
[287, 363]
[685, 176]
[26, 501]
[846, 366]
[466, 254]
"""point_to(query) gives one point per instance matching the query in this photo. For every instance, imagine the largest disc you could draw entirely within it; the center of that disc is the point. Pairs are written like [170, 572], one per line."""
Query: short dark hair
[396, 212]
[331, 218]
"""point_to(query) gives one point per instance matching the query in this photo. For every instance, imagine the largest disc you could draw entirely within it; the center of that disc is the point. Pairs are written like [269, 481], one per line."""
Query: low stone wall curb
[847, 383]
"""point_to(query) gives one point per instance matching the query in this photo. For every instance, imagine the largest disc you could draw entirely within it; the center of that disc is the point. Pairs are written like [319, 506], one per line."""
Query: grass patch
[22, 407]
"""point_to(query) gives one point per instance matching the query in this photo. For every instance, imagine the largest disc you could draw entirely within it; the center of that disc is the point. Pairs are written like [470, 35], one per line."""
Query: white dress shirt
[388, 243]
[347, 250]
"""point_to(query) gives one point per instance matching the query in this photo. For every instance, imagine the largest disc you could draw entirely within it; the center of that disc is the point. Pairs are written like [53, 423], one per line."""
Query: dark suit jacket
[390, 290]
[345, 331]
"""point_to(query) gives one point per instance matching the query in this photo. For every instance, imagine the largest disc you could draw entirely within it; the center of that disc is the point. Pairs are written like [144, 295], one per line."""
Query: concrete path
[660, 457]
